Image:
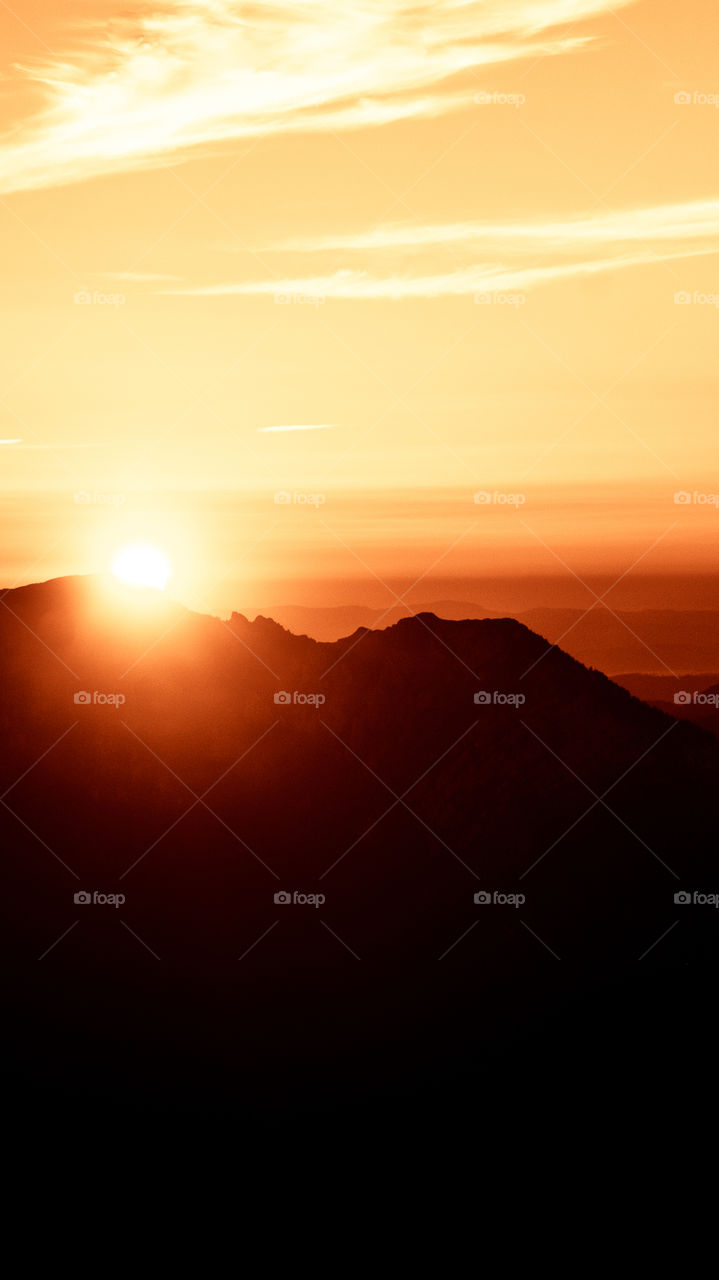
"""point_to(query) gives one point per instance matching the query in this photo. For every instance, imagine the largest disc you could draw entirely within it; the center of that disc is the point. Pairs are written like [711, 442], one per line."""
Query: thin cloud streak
[696, 220]
[169, 80]
[473, 280]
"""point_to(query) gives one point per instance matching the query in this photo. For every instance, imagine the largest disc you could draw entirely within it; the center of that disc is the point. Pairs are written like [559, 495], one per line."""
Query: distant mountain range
[661, 689]
[688, 697]
[200, 768]
[657, 641]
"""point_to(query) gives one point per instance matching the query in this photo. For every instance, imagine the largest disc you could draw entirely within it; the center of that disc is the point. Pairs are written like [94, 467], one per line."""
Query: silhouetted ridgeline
[610, 638]
[382, 785]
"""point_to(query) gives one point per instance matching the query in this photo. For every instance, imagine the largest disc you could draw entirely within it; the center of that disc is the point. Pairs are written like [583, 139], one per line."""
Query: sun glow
[142, 566]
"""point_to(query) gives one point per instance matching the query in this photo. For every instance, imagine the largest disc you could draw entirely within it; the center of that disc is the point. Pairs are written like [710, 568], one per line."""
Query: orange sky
[472, 244]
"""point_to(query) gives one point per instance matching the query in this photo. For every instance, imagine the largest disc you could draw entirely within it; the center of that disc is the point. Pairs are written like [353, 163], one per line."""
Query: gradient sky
[474, 245]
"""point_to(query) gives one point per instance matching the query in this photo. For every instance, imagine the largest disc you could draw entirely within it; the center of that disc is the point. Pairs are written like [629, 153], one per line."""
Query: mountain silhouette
[614, 640]
[198, 768]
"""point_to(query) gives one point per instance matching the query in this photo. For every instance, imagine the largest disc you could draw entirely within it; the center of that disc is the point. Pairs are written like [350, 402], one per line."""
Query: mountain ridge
[245, 761]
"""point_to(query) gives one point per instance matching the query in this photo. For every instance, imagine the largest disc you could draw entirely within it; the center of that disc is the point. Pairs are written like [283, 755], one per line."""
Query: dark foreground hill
[190, 776]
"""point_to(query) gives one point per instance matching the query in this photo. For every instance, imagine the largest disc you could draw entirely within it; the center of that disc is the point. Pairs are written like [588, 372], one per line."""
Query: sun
[142, 566]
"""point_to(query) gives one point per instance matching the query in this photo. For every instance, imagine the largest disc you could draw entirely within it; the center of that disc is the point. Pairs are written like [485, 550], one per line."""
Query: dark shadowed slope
[216, 765]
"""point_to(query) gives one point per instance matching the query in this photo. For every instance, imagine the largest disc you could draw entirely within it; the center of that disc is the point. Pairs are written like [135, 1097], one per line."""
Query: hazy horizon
[384, 260]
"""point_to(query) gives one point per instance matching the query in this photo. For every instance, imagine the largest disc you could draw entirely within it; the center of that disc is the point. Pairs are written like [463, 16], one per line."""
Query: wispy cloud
[516, 257]
[168, 78]
[696, 221]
